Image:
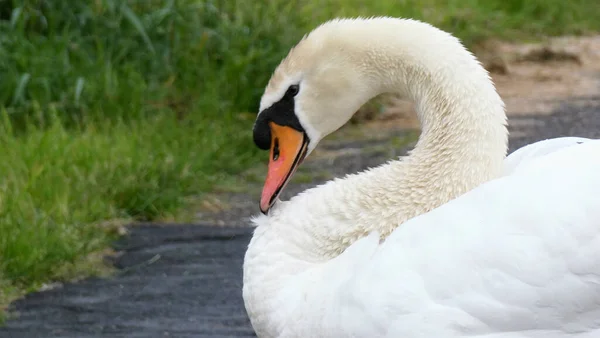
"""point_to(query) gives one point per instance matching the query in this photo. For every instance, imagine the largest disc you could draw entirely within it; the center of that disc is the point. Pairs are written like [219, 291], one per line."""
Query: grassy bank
[122, 109]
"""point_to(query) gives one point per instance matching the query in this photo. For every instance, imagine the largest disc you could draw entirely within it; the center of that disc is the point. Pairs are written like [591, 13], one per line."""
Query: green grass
[124, 109]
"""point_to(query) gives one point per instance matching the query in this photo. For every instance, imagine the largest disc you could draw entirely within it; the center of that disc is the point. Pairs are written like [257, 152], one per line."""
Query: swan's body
[515, 257]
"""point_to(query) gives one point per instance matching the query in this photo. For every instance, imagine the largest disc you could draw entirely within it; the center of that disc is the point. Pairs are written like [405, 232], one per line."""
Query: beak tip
[264, 209]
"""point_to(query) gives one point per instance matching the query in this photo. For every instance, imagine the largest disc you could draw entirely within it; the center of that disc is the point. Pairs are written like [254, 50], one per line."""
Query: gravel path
[185, 280]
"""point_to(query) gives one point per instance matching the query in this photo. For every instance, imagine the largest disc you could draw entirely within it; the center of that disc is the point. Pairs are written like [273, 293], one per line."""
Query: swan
[489, 245]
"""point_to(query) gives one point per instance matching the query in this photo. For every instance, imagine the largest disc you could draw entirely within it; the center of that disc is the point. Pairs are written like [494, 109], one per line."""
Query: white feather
[541, 148]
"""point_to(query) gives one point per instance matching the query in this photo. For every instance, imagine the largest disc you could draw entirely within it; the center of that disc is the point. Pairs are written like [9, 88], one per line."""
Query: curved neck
[463, 143]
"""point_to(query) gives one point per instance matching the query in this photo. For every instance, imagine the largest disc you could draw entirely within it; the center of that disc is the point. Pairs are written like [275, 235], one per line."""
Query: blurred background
[113, 111]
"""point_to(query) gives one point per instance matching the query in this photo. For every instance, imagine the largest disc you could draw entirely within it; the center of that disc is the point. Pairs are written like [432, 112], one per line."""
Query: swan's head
[314, 91]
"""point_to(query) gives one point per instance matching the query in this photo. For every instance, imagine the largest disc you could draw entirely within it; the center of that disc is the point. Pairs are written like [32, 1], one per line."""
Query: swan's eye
[292, 90]
[276, 150]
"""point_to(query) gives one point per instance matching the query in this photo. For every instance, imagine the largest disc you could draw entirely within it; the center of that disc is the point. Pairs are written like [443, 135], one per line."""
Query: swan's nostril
[276, 149]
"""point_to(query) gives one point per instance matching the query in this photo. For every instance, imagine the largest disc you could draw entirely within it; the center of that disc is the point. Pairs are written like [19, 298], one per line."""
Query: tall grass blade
[137, 23]
[79, 89]
[19, 95]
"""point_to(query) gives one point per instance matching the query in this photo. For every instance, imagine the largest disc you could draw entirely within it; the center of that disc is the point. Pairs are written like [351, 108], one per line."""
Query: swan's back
[541, 148]
[516, 257]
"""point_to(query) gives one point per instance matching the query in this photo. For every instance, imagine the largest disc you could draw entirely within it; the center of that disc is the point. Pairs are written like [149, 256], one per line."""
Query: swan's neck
[462, 144]
[463, 139]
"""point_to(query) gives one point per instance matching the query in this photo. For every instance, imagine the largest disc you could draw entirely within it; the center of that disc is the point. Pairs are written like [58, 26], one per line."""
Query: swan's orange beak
[288, 150]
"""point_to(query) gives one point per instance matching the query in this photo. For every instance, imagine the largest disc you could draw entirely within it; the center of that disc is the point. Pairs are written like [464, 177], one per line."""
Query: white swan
[518, 256]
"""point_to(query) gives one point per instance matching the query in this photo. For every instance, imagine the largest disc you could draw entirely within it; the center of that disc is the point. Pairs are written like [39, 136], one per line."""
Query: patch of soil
[539, 77]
